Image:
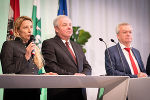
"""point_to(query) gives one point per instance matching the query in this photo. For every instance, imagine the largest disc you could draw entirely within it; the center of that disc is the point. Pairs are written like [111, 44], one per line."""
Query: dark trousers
[21, 94]
[21, 97]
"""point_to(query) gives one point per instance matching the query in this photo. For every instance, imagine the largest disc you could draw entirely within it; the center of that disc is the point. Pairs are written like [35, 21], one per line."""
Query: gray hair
[55, 22]
[119, 25]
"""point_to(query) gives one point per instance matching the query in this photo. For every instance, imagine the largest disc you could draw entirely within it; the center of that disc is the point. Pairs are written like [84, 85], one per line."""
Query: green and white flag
[36, 22]
[37, 33]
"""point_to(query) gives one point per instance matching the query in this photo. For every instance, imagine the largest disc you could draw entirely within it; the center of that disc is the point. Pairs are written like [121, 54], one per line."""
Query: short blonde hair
[119, 25]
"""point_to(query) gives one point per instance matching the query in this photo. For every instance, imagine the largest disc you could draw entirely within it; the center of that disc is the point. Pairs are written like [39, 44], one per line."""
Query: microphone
[112, 40]
[32, 39]
[108, 55]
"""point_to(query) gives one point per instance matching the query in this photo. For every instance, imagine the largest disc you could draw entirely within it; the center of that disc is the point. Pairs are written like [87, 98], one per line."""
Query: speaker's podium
[139, 89]
[116, 87]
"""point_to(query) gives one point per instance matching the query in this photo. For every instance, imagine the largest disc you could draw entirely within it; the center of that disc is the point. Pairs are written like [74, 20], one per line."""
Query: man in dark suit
[122, 59]
[148, 65]
[65, 57]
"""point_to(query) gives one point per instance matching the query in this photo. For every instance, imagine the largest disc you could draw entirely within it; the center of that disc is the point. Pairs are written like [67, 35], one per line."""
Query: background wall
[99, 17]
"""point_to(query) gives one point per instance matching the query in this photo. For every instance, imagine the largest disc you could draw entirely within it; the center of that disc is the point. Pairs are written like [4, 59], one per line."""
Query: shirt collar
[65, 41]
[21, 41]
[123, 46]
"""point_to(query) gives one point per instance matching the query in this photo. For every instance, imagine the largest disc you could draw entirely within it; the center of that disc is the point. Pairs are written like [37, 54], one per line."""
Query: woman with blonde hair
[17, 59]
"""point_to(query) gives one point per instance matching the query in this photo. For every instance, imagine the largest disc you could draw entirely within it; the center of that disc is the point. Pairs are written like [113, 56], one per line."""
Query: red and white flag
[14, 12]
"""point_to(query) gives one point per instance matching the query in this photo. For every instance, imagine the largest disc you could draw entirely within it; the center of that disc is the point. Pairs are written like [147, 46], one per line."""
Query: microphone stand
[108, 54]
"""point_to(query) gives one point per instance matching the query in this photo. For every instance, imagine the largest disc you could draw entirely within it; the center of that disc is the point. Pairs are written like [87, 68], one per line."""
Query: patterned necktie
[71, 52]
[132, 61]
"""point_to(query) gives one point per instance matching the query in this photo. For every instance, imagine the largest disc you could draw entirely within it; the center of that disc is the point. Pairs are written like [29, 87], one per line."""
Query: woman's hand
[29, 49]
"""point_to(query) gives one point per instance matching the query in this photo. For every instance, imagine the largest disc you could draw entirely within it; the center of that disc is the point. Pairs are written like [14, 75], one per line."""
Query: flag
[36, 22]
[14, 13]
[100, 94]
[62, 8]
[37, 33]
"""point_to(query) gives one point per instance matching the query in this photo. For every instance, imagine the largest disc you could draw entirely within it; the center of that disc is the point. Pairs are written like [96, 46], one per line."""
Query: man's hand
[79, 74]
[141, 75]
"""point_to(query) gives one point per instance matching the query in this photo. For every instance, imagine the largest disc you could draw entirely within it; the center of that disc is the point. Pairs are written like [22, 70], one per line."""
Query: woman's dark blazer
[14, 62]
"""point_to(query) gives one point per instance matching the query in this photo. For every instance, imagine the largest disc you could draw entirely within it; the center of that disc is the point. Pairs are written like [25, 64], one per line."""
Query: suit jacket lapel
[62, 45]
